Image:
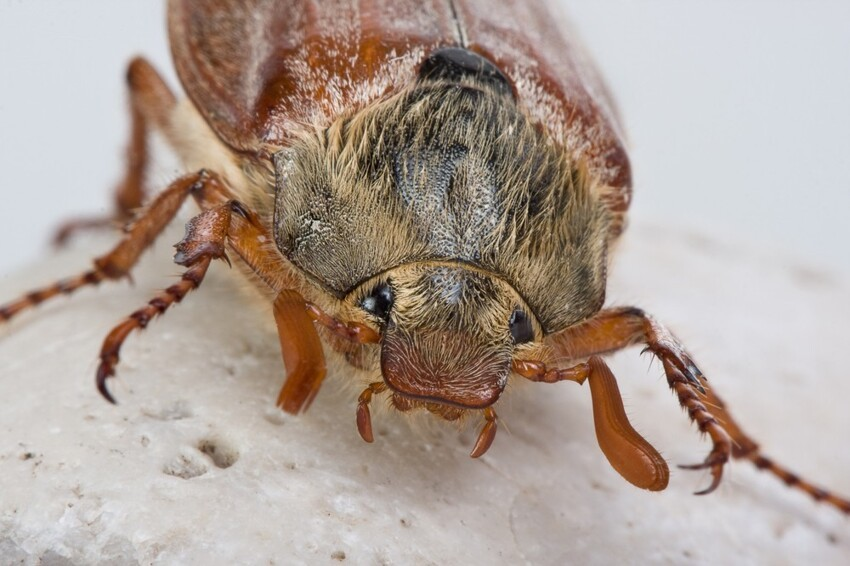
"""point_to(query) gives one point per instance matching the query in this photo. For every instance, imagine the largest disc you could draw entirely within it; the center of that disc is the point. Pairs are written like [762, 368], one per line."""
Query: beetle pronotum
[428, 192]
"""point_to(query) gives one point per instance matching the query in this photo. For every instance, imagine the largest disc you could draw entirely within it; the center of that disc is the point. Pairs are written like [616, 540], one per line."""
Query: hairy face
[449, 332]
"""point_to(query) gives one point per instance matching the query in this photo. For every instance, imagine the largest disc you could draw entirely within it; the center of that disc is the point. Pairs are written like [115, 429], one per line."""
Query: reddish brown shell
[260, 71]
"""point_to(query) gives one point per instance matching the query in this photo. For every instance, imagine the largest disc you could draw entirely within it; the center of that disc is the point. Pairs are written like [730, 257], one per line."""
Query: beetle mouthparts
[447, 368]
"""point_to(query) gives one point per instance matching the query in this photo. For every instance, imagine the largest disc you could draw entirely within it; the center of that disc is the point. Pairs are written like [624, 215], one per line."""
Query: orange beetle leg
[151, 104]
[627, 451]
[302, 352]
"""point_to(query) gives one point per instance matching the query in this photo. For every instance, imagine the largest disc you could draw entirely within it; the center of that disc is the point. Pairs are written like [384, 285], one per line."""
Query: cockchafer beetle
[426, 189]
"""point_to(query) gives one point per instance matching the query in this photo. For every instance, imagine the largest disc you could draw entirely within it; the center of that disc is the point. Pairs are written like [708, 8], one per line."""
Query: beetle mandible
[426, 189]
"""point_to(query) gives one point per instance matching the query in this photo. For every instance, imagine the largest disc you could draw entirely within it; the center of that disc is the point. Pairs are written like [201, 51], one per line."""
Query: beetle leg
[204, 241]
[151, 102]
[626, 450]
[706, 422]
[226, 220]
[118, 262]
[250, 240]
[302, 353]
[300, 345]
[364, 416]
[614, 329]
[744, 447]
[487, 434]
[84, 224]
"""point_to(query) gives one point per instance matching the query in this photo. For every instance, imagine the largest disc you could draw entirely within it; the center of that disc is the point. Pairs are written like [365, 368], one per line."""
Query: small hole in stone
[185, 466]
[221, 454]
[174, 411]
[338, 555]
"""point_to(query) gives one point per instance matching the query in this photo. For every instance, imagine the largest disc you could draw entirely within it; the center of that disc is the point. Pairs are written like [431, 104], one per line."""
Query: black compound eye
[379, 302]
[520, 325]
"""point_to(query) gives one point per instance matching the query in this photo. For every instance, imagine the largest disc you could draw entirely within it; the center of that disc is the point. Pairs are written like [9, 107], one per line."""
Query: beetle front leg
[204, 242]
[228, 222]
[614, 329]
[301, 347]
[151, 104]
[722, 445]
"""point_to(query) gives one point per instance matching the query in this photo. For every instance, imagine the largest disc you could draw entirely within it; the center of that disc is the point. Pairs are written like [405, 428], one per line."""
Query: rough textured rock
[197, 466]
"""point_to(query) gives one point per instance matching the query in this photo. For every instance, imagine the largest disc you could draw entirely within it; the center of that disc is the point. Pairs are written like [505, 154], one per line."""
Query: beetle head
[449, 332]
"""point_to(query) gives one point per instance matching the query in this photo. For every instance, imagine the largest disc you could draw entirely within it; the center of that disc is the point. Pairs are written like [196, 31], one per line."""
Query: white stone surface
[84, 482]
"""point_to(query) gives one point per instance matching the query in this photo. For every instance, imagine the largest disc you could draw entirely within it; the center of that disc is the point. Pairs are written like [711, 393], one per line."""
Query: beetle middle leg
[151, 104]
[123, 257]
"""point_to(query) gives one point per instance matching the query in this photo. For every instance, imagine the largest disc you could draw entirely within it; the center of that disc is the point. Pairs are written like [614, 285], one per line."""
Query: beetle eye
[379, 302]
[520, 325]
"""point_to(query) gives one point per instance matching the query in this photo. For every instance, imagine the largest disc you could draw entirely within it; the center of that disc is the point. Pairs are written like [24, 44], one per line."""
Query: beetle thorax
[449, 173]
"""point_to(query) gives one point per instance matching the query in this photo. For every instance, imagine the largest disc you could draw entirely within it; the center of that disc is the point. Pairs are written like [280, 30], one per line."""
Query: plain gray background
[738, 114]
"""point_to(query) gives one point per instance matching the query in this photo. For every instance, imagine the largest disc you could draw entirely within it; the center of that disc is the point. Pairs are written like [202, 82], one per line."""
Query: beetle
[427, 194]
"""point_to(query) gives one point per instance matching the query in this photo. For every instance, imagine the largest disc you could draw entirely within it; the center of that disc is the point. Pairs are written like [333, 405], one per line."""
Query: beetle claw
[715, 461]
[104, 372]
